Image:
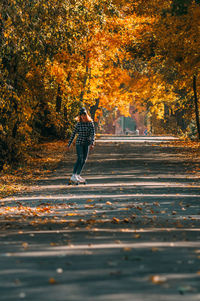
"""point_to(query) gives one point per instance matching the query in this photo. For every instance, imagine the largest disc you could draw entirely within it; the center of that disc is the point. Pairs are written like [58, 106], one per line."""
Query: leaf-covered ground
[40, 161]
[131, 233]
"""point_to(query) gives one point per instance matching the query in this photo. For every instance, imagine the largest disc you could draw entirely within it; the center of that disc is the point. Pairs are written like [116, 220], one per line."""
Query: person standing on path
[84, 142]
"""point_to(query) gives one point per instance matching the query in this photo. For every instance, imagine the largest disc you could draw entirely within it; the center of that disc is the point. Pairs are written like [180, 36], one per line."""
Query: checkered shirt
[85, 131]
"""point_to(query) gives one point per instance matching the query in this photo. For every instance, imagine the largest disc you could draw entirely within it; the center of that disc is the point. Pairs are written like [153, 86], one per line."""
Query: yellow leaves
[102, 49]
[195, 12]
[26, 211]
[57, 70]
[178, 40]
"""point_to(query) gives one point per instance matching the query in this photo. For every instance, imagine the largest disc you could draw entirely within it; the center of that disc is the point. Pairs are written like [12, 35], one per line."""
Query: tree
[56, 56]
[174, 58]
[29, 39]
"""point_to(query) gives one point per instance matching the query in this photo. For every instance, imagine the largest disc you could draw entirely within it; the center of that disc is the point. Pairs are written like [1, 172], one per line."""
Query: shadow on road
[131, 233]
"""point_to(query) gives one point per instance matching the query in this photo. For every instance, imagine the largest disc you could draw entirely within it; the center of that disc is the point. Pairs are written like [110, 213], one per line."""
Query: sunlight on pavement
[117, 184]
[101, 230]
[138, 139]
[102, 196]
[64, 250]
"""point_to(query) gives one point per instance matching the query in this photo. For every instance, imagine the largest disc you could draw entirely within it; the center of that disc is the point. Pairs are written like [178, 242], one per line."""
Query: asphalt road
[131, 233]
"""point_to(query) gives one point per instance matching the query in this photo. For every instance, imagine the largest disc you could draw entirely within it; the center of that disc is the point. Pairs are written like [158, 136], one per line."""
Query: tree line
[104, 54]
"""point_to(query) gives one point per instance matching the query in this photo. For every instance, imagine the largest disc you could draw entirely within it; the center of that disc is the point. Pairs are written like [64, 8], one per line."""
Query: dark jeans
[82, 151]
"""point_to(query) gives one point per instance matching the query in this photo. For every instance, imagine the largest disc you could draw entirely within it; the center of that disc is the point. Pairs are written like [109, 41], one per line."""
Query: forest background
[57, 55]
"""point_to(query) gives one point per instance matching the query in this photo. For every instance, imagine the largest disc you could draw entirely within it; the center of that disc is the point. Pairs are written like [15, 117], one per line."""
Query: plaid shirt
[85, 131]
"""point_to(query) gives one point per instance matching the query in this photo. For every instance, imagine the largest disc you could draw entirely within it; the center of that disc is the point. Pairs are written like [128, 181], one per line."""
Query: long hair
[89, 119]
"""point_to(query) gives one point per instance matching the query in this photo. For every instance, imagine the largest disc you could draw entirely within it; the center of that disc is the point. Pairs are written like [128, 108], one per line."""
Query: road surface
[131, 233]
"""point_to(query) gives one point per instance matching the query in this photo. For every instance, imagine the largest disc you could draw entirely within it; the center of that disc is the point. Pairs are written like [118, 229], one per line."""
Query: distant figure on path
[137, 132]
[84, 142]
[145, 132]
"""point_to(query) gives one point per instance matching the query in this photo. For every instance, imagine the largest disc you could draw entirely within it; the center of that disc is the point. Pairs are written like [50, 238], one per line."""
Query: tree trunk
[196, 105]
[58, 100]
[85, 79]
[94, 108]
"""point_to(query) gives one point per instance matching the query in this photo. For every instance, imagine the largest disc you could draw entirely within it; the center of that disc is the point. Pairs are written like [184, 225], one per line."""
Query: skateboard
[70, 182]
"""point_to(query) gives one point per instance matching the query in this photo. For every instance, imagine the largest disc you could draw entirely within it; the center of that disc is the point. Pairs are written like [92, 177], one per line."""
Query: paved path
[132, 233]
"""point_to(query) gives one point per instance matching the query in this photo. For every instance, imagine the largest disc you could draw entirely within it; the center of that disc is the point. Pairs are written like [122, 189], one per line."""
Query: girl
[85, 141]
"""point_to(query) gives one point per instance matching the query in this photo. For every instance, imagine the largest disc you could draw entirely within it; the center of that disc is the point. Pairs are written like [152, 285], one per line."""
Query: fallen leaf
[89, 206]
[156, 279]
[25, 245]
[59, 270]
[154, 249]
[53, 244]
[156, 204]
[88, 201]
[52, 281]
[137, 236]
[127, 249]
[91, 221]
[116, 220]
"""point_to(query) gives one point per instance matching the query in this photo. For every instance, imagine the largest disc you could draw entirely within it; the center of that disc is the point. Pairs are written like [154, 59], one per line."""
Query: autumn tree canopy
[105, 54]
[173, 58]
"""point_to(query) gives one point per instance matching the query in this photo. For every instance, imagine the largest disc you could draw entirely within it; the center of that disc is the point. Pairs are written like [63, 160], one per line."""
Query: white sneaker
[80, 179]
[74, 178]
